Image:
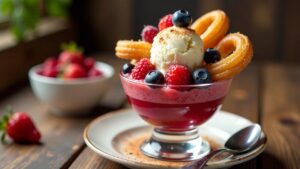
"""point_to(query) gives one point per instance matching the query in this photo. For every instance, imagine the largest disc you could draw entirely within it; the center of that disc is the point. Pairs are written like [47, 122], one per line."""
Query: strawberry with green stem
[19, 127]
[71, 53]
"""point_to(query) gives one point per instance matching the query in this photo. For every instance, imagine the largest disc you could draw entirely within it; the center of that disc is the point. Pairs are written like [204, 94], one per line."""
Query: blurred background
[32, 30]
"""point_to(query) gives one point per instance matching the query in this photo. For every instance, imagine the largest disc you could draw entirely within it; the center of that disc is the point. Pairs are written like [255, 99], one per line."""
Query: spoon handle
[199, 164]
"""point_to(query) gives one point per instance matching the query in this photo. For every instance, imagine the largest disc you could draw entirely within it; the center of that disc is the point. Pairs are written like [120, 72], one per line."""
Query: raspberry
[141, 69]
[148, 33]
[165, 22]
[178, 75]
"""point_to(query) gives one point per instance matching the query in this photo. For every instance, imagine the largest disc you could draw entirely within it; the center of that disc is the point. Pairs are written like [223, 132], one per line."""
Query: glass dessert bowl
[175, 112]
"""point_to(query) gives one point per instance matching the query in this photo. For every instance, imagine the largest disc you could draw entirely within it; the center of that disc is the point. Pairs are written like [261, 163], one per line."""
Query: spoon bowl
[242, 141]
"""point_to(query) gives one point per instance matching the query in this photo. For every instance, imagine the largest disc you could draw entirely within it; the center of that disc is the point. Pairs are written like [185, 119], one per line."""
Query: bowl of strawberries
[70, 84]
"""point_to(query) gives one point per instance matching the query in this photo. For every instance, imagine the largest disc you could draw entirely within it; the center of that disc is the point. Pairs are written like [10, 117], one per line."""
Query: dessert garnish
[127, 68]
[128, 49]
[155, 77]
[201, 76]
[141, 69]
[178, 75]
[211, 55]
[211, 27]
[148, 33]
[182, 18]
[165, 22]
[202, 48]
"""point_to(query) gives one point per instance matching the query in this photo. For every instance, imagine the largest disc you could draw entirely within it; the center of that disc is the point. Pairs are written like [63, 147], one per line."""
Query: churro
[211, 27]
[127, 49]
[236, 53]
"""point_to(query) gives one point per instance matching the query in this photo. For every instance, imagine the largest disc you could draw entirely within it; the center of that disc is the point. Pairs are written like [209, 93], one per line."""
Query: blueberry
[155, 77]
[200, 76]
[182, 18]
[127, 67]
[211, 55]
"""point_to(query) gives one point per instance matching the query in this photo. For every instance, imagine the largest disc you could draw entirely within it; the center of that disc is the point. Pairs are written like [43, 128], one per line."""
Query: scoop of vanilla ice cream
[175, 45]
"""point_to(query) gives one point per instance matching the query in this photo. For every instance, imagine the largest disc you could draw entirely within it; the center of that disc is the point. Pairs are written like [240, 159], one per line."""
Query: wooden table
[268, 94]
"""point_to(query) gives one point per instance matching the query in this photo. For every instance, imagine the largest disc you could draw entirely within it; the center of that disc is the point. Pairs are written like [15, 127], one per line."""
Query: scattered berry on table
[182, 18]
[155, 77]
[127, 68]
[20, 128]
[165, 22]
[201, 75]
[148, 33]
[211, 56]
[141, 69]
[178, 75]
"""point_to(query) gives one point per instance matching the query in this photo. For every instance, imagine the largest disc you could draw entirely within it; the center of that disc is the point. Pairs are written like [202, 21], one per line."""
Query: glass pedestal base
[175, 146]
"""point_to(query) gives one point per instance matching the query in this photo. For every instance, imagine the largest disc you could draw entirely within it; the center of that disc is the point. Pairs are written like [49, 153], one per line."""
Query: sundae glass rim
[140, 82]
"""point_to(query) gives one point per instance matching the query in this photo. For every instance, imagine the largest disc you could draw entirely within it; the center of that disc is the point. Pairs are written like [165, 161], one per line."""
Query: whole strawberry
[49, 67]
[20, 128]
[49, 72]
[73, 71]
[71, 54]
[50, 62]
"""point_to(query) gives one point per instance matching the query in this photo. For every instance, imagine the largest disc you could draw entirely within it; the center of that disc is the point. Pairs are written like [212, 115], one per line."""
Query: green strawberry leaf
[1, 126]
[3, 122]
[5, 118]
[72, 47]
[2, 137]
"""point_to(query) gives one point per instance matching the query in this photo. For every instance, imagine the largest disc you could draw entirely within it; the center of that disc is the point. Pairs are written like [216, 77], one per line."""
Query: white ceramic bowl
[71, 97]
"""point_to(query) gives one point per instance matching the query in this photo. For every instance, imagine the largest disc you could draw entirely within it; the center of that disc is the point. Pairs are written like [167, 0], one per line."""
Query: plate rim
[130, 162]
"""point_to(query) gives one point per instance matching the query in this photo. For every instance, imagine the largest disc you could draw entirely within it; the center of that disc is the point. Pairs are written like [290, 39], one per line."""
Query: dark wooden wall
[272, 25]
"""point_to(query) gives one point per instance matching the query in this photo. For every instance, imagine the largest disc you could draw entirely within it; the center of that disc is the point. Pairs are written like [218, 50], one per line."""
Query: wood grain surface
[281, 116]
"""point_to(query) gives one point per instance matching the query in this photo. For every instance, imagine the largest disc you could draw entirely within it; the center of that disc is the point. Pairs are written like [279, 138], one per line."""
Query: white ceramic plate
[106, 134]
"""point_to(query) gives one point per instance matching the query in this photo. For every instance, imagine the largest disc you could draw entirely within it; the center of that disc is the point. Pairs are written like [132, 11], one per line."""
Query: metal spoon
[240, 142]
